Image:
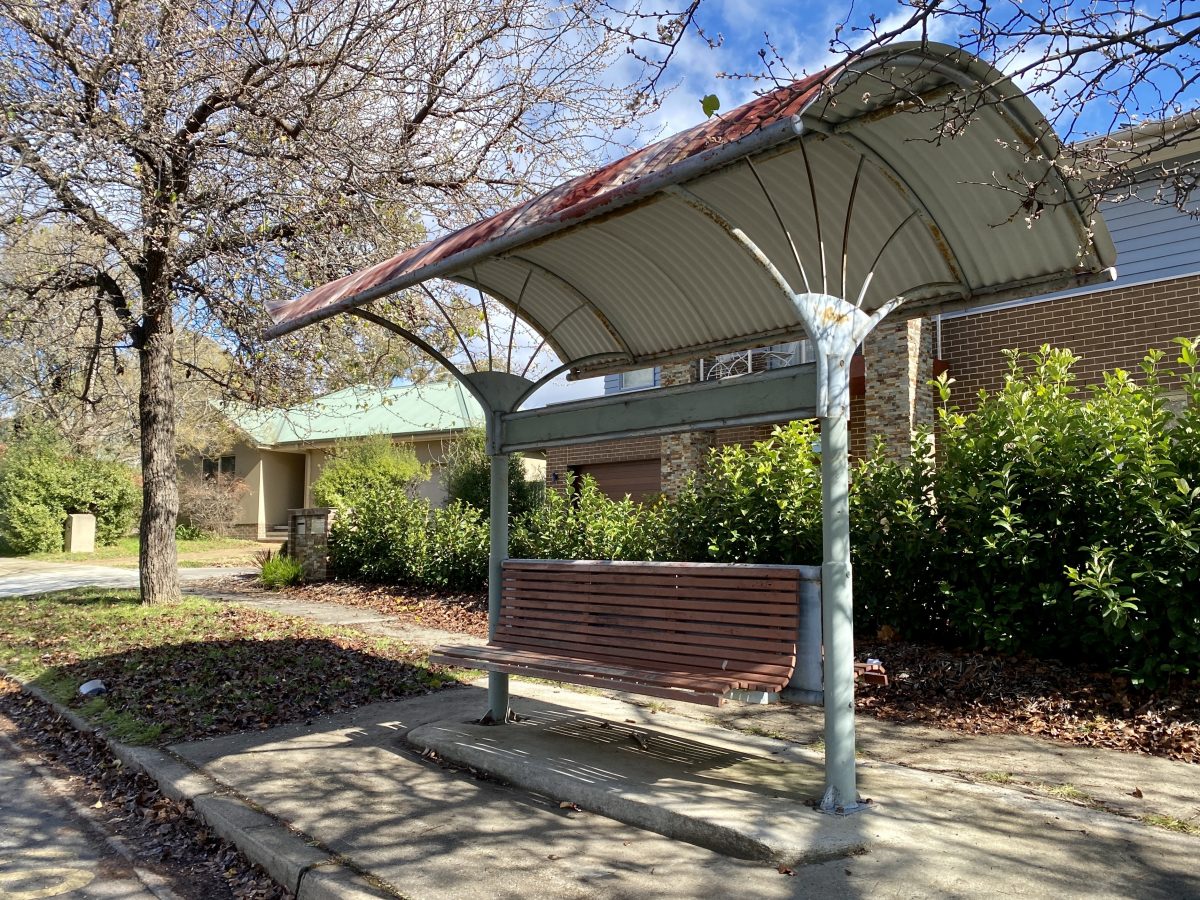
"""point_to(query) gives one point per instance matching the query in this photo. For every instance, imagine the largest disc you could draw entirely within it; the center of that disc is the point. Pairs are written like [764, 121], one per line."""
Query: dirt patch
[980, 693]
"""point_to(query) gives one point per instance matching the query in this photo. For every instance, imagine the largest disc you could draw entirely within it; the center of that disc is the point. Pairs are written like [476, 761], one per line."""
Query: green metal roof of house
[407, 410]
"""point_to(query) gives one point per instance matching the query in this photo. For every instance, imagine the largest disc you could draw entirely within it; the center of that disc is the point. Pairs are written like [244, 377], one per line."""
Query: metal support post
[837, 616]
[498, 552]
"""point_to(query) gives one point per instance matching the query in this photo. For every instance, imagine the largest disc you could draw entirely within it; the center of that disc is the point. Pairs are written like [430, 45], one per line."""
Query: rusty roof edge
[639, 189]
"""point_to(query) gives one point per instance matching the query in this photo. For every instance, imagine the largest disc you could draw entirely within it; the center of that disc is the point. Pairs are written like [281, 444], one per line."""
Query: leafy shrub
[188, 532]
[383, 538]
[760, 503]
[280, 571]
[457, 549]
[365, 469]
[208, 506]
[896, 543]
[468, 473]
[580, 522]
[1057, 522]
[41, 482]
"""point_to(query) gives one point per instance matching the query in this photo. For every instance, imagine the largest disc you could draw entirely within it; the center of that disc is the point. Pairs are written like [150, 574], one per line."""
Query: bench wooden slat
[649, 642]
[713, 589]
[570, 677]
[689, 680]
[747, 614]
[600, 618]
[599, 568]
[715, 601]
[692, 631]
[698, 621]
[638, 656]
[673, 631]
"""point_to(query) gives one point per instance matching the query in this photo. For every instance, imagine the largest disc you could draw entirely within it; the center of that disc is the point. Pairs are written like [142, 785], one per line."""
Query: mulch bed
[980, 693]
[167, 837]
[465, 613]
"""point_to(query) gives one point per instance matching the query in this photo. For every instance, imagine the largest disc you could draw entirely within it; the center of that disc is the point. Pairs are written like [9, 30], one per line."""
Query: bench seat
[696, 632]
[683, 631]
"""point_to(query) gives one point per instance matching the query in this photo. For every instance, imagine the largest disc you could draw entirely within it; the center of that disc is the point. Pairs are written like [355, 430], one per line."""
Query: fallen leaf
[567, 804]
[99, 804]
[784, 870]
[1136, 792]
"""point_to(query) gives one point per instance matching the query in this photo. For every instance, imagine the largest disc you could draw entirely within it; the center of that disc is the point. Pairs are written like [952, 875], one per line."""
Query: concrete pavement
[353, 785]
[346, 807]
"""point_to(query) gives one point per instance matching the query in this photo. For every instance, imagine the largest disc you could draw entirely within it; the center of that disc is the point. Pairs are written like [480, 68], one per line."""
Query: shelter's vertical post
[837, 613]
[498, 552]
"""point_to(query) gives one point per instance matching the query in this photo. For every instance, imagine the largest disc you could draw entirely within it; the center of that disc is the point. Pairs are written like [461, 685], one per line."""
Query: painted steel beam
[776, 396]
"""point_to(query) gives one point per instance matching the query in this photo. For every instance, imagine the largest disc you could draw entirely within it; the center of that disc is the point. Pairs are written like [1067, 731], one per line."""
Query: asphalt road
[47, 849]
[21, 577]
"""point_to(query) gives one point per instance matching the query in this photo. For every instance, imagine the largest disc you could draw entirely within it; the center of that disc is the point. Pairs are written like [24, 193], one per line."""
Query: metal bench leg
[498, 552]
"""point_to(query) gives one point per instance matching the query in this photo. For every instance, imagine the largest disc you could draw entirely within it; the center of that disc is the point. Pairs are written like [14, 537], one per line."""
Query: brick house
[1155, 298]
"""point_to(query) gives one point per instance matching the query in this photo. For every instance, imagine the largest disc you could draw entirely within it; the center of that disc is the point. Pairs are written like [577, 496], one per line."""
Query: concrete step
[714, 794]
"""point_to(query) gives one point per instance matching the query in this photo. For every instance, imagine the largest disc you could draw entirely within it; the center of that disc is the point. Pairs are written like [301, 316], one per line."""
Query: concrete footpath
[354, 787]
[395, 799]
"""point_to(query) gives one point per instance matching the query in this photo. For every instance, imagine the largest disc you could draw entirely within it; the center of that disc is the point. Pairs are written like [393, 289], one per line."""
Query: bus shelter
[912, 178]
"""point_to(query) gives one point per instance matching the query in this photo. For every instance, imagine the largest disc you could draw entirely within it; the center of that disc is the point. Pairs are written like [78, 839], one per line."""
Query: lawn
[197, 668]
[209, 551]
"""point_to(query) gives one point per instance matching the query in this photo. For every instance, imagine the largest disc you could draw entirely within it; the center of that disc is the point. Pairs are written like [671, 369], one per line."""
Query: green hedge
[1056, 521]
[41, 482]
[362, 468]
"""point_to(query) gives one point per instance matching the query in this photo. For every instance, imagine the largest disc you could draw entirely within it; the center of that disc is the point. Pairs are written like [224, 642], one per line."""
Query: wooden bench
[684, 631]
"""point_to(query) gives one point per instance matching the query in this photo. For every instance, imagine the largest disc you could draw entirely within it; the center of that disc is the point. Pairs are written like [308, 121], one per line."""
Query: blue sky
[801, 31]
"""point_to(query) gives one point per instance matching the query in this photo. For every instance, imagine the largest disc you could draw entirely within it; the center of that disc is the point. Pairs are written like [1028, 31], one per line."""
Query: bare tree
[218, 154]
[1118, 82]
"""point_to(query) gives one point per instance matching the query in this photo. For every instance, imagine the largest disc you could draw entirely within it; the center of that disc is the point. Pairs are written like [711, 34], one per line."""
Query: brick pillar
[682, 454]
[899, 365]
[308, 540]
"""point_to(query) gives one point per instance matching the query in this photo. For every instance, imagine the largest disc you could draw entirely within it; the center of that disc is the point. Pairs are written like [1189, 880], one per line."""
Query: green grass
[1171, 824]
[1070, 792]
[995, 777]
[197, 668]
[127, 547]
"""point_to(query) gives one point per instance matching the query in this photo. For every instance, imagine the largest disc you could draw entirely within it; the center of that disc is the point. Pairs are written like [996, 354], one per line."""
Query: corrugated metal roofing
[409, 411]
[847, 181]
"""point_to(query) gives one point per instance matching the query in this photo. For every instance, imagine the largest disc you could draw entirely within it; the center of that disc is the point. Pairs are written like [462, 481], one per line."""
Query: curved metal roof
[848, 183]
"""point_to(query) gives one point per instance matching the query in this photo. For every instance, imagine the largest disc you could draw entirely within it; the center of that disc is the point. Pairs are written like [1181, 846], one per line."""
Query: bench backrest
[685, 616]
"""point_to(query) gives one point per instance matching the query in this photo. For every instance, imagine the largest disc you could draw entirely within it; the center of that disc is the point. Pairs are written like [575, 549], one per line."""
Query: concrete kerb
[298, 863]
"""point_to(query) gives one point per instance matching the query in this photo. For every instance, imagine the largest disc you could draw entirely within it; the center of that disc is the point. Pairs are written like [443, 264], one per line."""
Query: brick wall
[1108, 329]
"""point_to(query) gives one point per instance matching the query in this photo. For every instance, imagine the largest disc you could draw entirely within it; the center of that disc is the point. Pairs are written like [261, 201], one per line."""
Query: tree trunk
[158, 558]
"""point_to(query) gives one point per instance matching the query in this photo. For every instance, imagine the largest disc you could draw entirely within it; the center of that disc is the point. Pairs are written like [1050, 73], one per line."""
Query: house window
[637, 379]
[218, 468]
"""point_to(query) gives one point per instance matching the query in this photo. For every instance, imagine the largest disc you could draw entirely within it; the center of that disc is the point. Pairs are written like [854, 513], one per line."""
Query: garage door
[640, 479]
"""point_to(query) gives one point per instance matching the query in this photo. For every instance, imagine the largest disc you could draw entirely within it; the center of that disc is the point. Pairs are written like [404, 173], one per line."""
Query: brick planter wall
[308, 540]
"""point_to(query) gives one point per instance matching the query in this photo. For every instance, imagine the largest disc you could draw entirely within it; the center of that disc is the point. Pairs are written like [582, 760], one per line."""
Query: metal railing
[759, 359]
